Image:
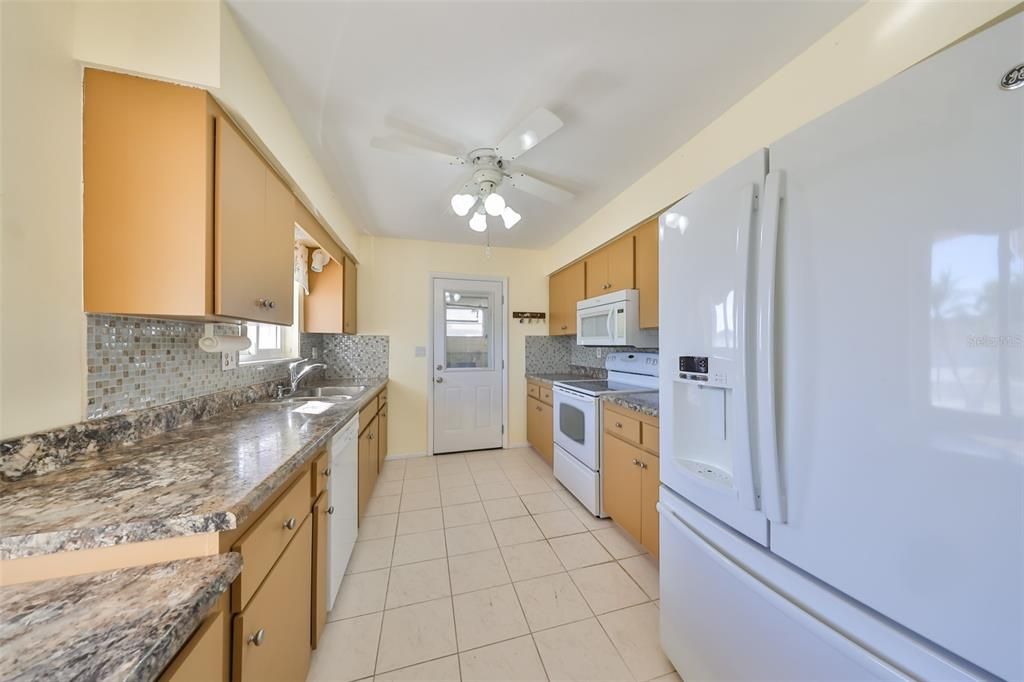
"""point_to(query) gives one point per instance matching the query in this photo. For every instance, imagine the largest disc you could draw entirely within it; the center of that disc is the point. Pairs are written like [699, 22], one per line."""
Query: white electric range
[577, 422]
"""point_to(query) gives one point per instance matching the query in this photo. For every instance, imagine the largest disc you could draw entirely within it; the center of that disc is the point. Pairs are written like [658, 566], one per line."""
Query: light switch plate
[228, 361]
[421, 351]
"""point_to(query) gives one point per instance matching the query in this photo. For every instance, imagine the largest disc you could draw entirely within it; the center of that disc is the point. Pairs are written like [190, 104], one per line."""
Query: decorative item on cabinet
[182, 217]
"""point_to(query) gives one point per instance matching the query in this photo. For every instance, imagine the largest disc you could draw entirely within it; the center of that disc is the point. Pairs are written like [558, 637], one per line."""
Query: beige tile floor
[483, 567]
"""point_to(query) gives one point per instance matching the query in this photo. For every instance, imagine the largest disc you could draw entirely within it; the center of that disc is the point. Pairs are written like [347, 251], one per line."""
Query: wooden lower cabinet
[382, 442]
[271, 635]
[318, 608]
[540, 427]
[368, 442]
[205, 655]
[622, 485]
[631, 473]
[649, 483]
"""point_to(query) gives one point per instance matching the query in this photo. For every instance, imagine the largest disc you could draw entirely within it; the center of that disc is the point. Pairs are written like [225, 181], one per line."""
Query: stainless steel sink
[312, 398]
[342, 392]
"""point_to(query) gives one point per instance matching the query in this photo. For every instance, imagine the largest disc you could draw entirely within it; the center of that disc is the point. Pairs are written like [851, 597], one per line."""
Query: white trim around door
[500, 350]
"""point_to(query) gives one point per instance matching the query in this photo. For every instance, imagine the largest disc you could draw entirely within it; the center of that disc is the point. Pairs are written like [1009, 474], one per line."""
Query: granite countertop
[126, 624]
[551, 378]
[645, 401]
[205, 477]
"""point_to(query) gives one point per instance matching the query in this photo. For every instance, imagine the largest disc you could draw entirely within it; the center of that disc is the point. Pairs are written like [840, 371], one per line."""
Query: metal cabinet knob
[538, 408]
[330, 510]
[271, 304]
[257, 637]
[565, 326]
[290, 523]
[618, 425]
[370, 437]
[327, 471]
[636, 462]
[643, 465]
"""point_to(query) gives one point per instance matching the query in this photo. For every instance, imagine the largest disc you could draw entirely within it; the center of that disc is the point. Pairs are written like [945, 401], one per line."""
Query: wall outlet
[228, 361]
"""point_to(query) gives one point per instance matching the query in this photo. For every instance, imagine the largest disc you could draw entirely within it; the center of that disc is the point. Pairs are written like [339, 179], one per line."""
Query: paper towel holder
[209, 333]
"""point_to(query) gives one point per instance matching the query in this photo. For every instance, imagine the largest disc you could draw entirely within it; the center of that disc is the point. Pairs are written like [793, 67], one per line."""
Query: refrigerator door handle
[745, 469]
[771, 481]
[812, 624]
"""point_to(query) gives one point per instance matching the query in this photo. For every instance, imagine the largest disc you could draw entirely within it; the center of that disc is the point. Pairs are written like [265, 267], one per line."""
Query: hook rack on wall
[529, 317]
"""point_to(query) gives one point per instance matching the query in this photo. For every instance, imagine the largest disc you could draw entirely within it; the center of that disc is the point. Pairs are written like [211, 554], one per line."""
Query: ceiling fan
[491, 168]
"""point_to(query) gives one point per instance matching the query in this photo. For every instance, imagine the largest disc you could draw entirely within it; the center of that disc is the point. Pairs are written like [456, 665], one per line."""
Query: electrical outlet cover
[228, 361]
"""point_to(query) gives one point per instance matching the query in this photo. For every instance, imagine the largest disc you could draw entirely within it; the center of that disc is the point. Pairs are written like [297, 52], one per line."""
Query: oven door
[576, 425]
[596, 326]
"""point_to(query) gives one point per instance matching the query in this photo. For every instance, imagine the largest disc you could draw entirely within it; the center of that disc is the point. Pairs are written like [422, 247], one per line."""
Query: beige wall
[394, 290]
[874, 43]
[42, 337]
[174, 39]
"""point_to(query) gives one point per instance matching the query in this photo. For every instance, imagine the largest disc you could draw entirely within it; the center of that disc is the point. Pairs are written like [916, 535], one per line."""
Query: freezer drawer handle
[791, 610]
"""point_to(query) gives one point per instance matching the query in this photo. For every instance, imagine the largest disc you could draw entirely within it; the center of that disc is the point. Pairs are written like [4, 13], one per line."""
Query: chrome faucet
[299, 369]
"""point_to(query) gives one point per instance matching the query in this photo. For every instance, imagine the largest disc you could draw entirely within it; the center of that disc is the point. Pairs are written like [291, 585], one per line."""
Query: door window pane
[468, 320]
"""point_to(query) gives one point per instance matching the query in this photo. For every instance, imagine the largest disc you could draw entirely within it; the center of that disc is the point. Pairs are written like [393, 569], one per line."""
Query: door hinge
[502, 429]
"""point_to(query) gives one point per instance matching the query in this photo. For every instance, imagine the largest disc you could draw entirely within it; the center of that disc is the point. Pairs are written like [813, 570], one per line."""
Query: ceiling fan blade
[404, 145]
[539, 188]
[528, 134]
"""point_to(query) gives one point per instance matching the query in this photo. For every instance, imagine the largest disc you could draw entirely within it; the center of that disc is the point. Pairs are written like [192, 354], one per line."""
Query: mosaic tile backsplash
[358, 355]
[136, 363]
[558, 354]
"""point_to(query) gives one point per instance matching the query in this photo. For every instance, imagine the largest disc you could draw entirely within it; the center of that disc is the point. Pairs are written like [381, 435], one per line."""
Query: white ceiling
[631, 80]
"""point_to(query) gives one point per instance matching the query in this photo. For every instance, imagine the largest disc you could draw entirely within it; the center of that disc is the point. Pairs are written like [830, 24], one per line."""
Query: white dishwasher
[343, 520]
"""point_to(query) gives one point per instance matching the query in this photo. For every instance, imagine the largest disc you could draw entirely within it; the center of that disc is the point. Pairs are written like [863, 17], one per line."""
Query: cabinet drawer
[271, 636]
[533, 390]
[546, 395]
[263, 543]
[649, 437]
[319, 475]
[367, 414]
[204, 655]
[382, 399]
[622, 426]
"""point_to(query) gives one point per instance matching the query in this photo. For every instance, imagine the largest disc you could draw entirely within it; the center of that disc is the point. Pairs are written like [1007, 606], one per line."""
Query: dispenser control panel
[701, 369]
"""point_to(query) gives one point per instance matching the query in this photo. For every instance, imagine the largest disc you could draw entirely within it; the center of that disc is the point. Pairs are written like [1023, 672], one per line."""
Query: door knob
[439, 380]
[440, 367]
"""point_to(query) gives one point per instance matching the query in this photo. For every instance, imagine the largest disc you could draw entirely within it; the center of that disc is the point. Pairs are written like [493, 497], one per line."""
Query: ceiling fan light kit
[490, 170]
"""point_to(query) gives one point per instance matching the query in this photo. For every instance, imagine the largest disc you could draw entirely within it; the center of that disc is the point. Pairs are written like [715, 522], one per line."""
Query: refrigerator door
[706, 281]
[732, 611]
[899, 355]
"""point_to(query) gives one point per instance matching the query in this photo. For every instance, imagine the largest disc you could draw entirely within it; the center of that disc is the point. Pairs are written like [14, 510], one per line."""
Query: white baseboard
[406, 455]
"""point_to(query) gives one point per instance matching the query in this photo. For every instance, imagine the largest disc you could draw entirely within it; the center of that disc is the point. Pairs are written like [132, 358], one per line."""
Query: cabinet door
[533, 422]
[271, 636]
[620, 264]
[382, 442]
[565, 288]
[649, 502]
[253, 234]
[546, 433]
[349, 306]
[318, 609]
[622, 482]
[646, 246]
[204, 656]
[597, 273]
[323, 306]
[367, 463]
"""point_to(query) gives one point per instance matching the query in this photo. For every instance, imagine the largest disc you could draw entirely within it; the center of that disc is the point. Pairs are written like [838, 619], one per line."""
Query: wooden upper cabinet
[349, 304]
[646, 247]
[182, 218]
[330, 306]
[565, 289]
[610, 268]
[253, 233]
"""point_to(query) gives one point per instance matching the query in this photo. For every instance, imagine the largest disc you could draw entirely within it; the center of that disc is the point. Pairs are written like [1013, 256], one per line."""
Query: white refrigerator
[842, 390]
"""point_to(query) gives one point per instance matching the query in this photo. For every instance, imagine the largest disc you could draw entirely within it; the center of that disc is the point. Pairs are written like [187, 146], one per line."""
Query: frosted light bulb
[494, 204]
[478, 223]
[510, 217]
[461, 203]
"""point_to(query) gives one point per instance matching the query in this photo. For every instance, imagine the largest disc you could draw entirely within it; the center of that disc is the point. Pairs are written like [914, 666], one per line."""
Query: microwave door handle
[611, 323]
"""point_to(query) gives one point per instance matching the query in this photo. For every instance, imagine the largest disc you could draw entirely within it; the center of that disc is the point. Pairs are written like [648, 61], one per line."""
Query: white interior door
[467, 357]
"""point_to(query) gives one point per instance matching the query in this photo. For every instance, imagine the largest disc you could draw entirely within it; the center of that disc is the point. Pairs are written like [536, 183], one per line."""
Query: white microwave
[613, 320]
